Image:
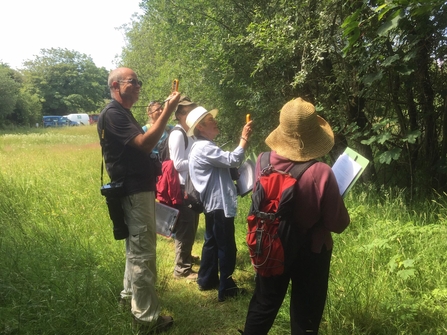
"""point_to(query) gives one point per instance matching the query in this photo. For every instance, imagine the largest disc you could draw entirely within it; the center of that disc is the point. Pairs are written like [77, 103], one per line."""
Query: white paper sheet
[246, 179]
[345, 170]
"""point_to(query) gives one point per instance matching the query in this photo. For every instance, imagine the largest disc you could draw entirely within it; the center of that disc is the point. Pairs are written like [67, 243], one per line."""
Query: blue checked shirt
[209, 170]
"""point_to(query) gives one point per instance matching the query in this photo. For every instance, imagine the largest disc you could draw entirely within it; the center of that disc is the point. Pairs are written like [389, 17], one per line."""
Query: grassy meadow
[61, 270]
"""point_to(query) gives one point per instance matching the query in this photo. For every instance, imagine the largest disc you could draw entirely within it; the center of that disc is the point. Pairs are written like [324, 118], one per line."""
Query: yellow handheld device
[247, 118]
[175, 85]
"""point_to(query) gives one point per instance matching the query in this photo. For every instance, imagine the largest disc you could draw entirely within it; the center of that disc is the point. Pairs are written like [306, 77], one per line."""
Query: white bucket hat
[195, 116]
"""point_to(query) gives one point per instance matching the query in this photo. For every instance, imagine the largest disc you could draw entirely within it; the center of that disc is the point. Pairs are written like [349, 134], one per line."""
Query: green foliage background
[375, 71]
[66, 81]
[62, 270]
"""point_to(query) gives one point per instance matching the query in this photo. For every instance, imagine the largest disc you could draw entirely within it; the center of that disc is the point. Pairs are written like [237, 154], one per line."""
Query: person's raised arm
[149, 140]
[246, 132]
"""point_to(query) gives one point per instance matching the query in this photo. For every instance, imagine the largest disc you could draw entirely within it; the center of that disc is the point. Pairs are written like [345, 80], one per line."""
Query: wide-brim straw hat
[195, 116]
[302, 135]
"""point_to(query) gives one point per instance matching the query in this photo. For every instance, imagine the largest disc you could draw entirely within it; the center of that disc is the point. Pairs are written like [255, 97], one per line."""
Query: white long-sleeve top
[178, 153]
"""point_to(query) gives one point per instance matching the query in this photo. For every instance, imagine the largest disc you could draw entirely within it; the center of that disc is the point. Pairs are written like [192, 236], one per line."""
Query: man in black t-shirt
[127, 152]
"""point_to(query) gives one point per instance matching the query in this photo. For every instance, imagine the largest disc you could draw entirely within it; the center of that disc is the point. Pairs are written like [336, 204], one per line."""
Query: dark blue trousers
[309, 274]
[218, 253]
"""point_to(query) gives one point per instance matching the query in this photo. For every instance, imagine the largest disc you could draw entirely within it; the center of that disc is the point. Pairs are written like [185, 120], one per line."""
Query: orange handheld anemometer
[247, 118]
[175, 85]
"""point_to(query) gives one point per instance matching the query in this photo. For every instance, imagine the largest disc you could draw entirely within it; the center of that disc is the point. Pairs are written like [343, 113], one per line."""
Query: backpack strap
[185, 137]
[264, 160]
[298, 169]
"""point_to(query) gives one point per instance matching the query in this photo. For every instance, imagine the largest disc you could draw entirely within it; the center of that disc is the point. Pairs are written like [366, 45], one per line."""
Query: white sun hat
[195, 116]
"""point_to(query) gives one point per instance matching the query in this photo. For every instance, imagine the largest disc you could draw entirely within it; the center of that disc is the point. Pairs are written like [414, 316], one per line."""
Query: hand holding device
[175, 83]
[246, 131]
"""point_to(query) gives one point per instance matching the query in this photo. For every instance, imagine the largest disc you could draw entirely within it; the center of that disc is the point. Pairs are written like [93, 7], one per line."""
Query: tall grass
[61, 271]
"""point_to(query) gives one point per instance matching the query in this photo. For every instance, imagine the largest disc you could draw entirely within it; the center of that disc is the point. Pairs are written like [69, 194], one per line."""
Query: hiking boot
[232, 292]
[162, 324]
[191, 275]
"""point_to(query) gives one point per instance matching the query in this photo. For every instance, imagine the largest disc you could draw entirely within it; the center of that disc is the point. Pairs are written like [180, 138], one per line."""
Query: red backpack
[168, 183]
[272, 235]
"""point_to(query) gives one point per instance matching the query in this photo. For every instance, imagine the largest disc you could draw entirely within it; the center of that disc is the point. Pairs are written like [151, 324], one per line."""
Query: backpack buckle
[266, 216]
[267, 170]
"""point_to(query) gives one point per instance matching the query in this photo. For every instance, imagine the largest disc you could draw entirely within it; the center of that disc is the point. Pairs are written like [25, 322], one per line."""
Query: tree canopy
[9, 92]
[375, 71]
[17, 105]
[66, 81]
[56, 82]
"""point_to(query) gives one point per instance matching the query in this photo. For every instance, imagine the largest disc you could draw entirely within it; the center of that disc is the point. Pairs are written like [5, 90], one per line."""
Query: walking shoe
[125, 304]
[232, 292]
[191, 275]
[195, 259]
[209, 288]
[162, 324]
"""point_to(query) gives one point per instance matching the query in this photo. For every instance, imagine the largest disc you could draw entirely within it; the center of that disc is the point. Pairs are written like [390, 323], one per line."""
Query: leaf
[350, 27]
[351, 30]
[405, 274]
[412, 136]
[390, 155]
[409, 56]
[393, 263]
[390, 60]
[351, 39]
[372, 77]
[390, 24]
[408, 263]
[387, 7]
[369, 141]
[382, 138]
[351, 19]
[379, 243]
[403, 69]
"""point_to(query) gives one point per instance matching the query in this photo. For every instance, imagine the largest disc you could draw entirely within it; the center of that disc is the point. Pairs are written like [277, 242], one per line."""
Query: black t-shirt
[123, 162]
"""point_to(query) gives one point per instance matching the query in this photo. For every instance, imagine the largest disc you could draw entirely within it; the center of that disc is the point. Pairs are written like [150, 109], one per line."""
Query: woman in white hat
[209, 169]
[302, 136]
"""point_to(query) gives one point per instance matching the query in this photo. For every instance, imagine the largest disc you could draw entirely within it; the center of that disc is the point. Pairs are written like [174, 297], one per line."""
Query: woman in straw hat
[209, 168]
[302, 136]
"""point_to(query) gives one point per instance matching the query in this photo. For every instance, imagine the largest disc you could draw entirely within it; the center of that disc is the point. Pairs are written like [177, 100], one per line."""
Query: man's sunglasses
[133, 81]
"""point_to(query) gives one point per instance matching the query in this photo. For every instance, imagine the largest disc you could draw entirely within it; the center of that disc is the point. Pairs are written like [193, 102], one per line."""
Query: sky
[85, 26]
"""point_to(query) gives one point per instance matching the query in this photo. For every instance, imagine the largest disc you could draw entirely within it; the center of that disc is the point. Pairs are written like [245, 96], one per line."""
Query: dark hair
[182, 110]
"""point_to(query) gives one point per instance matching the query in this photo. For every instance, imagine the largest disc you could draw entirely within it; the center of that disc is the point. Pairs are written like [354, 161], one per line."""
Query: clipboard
[165, 219]
[348, 168]
[246, 179]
